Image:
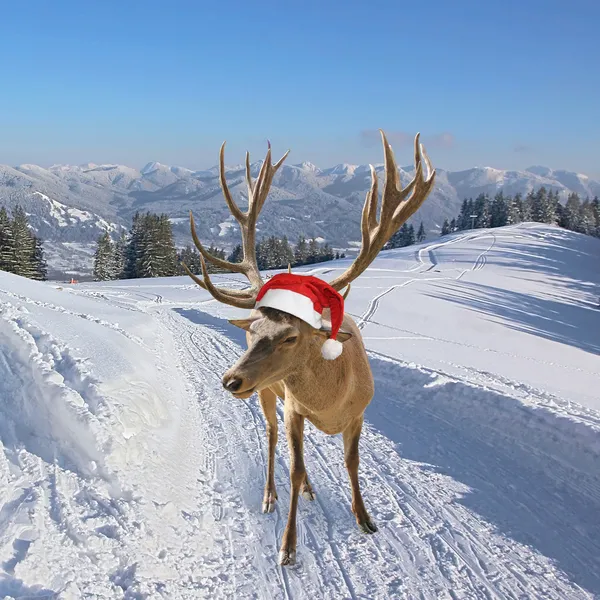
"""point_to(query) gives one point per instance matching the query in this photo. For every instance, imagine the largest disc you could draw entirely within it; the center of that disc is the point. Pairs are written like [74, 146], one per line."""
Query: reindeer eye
[291, 339]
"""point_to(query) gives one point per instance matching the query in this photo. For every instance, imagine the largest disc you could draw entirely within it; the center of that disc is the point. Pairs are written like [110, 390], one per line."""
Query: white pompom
[331, 349]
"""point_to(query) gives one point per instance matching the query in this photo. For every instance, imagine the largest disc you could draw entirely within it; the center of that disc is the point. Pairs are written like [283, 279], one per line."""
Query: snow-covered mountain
[129, 472]
[304, 199]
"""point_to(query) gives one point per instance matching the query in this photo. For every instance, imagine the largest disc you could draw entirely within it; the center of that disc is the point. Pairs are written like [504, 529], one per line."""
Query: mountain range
[70, 206]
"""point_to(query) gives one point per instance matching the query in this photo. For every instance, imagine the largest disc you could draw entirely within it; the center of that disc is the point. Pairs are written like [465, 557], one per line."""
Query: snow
[129, 472]
[226, 227]
[63, 214]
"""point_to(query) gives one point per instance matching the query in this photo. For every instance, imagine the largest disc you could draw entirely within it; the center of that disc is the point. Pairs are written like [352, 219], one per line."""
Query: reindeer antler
[396, 208]
[257, 194]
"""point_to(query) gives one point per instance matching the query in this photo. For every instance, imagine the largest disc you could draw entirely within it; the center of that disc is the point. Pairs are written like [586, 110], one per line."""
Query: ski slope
[128, 472]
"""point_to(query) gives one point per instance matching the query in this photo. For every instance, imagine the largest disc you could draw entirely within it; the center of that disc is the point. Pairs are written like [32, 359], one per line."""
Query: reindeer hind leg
[351, 436]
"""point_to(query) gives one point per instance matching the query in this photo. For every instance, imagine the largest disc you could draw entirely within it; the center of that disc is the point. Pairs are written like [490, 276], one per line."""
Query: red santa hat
[305, 297]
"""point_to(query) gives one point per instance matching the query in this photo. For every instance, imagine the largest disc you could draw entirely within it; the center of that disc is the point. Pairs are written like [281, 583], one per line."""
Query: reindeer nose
[232, 384]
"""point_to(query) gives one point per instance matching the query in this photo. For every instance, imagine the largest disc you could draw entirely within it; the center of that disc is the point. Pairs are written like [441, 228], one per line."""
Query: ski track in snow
[481, 487]
[477, 265]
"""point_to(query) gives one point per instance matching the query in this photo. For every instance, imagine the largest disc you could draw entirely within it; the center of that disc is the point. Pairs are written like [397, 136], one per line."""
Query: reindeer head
[278, 345]
[278, 342]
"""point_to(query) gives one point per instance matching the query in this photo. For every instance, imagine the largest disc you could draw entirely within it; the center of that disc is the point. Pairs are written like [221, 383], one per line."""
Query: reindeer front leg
[294, 427]
[268, 402]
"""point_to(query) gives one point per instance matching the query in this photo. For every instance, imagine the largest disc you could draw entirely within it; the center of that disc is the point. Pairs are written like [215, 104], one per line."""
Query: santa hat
[305, 297]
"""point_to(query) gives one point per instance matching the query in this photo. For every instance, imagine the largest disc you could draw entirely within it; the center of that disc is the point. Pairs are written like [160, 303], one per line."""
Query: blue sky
[506, 84]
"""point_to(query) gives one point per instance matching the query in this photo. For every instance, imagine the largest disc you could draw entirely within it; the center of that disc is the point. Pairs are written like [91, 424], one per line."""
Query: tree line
[21, 251]
[541, 206]
[405, 236]
[148, 250]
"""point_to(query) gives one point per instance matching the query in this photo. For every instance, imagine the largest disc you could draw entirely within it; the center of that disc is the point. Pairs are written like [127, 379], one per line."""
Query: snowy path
[149, 484]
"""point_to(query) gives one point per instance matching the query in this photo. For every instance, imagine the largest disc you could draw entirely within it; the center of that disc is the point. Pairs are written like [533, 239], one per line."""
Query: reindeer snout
[232, 383]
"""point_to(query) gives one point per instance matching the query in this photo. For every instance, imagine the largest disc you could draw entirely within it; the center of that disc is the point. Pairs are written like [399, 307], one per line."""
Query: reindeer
[283, 359]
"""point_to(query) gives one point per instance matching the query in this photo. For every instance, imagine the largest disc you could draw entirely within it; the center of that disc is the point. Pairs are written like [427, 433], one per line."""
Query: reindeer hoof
[368, 526]
[287, 558]
[269, 503]
[308, 494]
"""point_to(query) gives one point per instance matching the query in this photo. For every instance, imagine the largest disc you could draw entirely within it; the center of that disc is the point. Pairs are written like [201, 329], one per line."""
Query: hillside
[130, 473]
[70, 206]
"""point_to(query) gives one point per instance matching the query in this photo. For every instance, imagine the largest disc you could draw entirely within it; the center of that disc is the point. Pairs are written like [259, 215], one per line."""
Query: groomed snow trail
[145, 480]
[432, 543]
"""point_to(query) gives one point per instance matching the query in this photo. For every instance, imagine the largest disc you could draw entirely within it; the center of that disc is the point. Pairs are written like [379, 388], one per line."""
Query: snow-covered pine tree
[104, 258]
[214, 251]
[596, 211]
[481, 208]
[7, 243]
[285, 254]
[191, 257]
[550, 207]
[513, 215]
[313, 251]
[445, 228]
[421, 235]
[24, 244]
[569, 218]
[301, 252]
[327, 253]
[587, 219]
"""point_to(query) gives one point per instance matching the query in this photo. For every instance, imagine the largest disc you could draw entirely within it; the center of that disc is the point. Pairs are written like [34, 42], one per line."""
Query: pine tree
[301, 252]
[550, 207]
[453, 227]
[569, 218]
[313, 251]
[7, 243]
[167, 253]
[445, 228]
[133, 251]
[596, 213]
[120, 257]
[24, 244]
[421, 235]
[286, 254]
[104, 258]
[499, 211]
[405, 236]
[236, 255]
[464, 218]
[587, 219]
[210, 267]
[39, 261]
[326, 253]
[514, 211]
[481, 208]
[191, 257]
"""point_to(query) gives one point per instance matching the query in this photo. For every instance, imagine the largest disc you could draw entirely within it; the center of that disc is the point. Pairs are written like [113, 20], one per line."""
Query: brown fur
[332, 395]
[284, 359]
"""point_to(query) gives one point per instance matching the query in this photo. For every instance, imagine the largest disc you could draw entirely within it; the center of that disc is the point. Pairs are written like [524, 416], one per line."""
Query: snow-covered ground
[128, 472]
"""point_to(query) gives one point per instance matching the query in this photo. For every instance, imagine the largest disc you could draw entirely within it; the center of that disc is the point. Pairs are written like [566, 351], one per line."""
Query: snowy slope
[130, 473]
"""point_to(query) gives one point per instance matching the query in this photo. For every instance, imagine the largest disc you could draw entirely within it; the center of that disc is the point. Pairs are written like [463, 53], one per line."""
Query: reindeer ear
[243, 323]
[325, 332]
